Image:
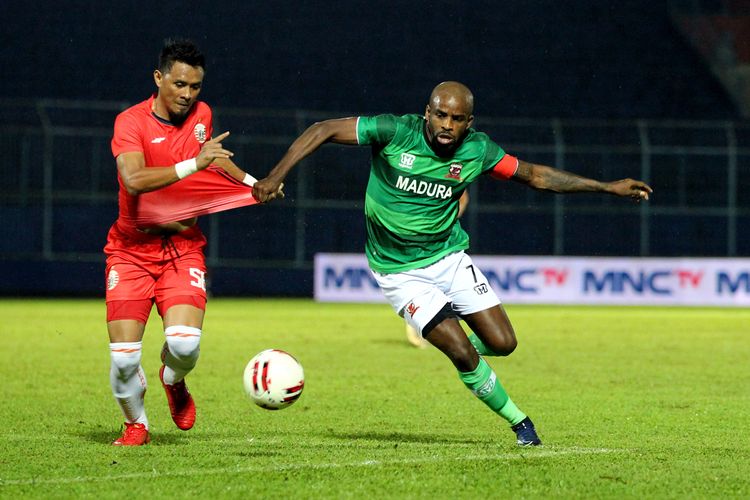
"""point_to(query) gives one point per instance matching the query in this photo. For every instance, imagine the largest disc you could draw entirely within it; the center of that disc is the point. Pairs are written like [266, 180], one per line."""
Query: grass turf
[630, 402]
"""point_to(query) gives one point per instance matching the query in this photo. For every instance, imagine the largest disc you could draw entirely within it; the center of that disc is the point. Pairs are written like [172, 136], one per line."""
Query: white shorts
[418, 295]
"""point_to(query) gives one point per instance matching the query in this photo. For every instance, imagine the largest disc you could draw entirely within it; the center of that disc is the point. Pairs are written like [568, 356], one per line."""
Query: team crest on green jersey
[454, 171]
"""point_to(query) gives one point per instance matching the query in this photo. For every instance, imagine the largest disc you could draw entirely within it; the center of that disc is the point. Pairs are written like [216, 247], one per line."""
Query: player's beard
[442, 150]
[179, 116]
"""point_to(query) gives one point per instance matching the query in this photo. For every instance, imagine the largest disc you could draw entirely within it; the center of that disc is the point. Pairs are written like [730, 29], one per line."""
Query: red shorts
[144, 269]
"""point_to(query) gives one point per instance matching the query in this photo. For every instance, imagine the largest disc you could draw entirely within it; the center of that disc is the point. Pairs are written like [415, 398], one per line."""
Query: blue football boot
[526, 433]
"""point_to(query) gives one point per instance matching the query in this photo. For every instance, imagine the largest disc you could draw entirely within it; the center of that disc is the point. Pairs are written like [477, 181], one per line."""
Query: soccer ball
[273, 379]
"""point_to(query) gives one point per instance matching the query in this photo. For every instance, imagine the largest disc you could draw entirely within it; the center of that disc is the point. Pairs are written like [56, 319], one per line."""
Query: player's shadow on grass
[393, 342]
[171, 439]
[403, 437]
[107, 436]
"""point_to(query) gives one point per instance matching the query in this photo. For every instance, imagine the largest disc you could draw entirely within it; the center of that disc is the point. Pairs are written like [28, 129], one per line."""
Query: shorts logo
[481, 289]
[487, 387]
[407, 161]
[454, 171]
[412, 309]
[200, 132]
[113, 278]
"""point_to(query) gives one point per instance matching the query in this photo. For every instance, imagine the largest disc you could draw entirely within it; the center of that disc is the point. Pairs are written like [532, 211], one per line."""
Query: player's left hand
[635, 190]
[212, 150]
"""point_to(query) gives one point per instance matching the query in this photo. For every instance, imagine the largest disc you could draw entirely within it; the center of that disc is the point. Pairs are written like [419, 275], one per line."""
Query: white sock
[128, 380]
[181, 355]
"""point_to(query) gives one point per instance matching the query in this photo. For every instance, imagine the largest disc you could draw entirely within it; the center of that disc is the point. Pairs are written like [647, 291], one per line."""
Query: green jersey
[411, 203]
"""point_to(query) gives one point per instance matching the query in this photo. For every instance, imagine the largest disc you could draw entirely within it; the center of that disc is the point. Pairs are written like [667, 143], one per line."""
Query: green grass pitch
[630, 402]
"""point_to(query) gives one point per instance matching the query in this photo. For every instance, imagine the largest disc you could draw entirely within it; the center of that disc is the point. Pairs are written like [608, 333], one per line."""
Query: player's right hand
[635, 190]
[267, 189]
[211, 150]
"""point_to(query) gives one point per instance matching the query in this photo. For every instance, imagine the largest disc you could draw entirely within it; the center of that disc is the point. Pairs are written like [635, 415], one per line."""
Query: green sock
[482, 349]
[483, 382]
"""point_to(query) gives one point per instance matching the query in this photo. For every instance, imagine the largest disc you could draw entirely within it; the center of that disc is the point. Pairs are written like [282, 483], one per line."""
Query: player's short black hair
[182, 50]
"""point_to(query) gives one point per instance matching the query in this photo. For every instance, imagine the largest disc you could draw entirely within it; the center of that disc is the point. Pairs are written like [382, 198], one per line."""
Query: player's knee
[184, 349]
[506, 346]
[183, 343]
[502, 343]
[126, 358]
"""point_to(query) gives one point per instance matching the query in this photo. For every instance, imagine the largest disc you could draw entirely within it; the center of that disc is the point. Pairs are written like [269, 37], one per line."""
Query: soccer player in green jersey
[415, 245]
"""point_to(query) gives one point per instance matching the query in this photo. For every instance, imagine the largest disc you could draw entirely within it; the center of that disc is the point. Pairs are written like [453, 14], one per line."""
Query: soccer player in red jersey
[158, 144]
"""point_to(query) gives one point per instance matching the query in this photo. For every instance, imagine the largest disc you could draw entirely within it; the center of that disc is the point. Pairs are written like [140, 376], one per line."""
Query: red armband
[505, 168]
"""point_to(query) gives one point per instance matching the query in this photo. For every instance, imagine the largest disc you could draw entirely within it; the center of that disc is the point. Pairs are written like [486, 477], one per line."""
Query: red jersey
[162, 144]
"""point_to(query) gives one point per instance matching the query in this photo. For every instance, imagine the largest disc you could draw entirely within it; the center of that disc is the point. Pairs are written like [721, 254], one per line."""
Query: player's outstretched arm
[138, 178]
[559, 181]
[339, 131]
[237, 173]
[231, 168]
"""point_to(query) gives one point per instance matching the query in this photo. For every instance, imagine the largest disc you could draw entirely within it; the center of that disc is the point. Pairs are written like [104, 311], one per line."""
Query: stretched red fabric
[204, 192]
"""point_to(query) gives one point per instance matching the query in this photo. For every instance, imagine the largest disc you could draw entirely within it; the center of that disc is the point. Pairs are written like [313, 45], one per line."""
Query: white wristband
[249, 180]
[185, 168]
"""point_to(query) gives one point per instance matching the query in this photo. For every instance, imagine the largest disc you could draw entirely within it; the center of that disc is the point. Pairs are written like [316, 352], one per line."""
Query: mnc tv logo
[526, 280]
[666, 281]
[348, 278]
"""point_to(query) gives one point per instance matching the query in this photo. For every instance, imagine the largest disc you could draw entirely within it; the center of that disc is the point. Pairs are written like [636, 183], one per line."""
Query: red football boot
[181, 404]
[135, 435]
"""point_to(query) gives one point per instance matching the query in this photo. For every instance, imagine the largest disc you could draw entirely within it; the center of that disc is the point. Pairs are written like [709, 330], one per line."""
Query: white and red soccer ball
[273, 379]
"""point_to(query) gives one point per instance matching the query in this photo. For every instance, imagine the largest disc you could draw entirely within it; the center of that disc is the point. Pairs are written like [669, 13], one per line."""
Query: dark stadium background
[592, 72]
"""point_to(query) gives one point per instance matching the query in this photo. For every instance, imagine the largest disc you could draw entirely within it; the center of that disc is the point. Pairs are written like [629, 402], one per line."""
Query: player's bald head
[452, 94]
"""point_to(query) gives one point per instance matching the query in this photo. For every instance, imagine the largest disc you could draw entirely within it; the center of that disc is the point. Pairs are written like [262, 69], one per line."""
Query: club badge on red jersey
[200, 132]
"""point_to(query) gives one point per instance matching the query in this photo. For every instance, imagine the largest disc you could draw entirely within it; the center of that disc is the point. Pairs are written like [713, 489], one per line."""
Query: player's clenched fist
[636, 190]
[268, 189]
[211, 150]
